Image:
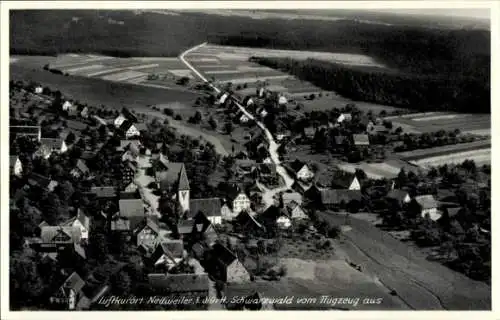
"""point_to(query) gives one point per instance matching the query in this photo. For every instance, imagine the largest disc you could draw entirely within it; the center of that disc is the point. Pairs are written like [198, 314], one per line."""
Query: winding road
[268, 195]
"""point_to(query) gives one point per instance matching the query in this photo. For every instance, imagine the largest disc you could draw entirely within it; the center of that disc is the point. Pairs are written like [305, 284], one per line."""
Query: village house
[244, 166]
[34, 132]
[247, 222]
[131, 210]
[196, 229]
[294, 211]
[361, 140]
[82, 221]
[38, 89]
[55, 239]
[226, 266]
[309, 132]
[128, 129]
[282, 100]
[288, 197]
[341, 199]
[210, 207]
[168, 254]
[80, 169]
[104, 192]
[273, 217]
[301, 170]
[127, 173]
[191, 285]
[15, 165]
[69, 294]
[244, 118]
[346, 180]
[222, 99]
[372, 129]
[398, 196]
[227, 213]
[266, 170]
[124, 116]
[85, 112]
[344, 117]
[147, 233]
[426, 205]
[300, 186]
[67, 105]
[174, 180]
[51, 145]
[238, 200]
[38, 180]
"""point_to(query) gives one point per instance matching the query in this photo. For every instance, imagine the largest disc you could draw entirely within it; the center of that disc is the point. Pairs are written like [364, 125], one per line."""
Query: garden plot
[435, 121]
[480, 157]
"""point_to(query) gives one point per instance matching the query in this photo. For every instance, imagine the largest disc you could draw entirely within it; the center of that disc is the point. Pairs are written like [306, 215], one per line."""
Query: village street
[142, 181]
[268, 194]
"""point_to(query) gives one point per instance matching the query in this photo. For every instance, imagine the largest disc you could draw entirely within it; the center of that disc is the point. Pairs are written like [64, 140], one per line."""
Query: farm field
[444, 150]
[97, 91]
[479, 124]
[225, 64]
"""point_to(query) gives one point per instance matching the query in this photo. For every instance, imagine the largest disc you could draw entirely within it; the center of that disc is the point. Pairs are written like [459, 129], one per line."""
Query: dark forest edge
[429, 93]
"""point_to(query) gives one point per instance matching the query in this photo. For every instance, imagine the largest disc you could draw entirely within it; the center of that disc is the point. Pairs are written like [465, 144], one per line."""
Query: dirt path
[422, 284]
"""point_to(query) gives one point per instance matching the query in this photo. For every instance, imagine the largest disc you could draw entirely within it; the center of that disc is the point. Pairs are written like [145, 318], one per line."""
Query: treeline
[423, 93]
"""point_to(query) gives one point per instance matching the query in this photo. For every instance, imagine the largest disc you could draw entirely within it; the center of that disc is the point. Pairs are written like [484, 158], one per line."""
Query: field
[100, 92]
[479, 124]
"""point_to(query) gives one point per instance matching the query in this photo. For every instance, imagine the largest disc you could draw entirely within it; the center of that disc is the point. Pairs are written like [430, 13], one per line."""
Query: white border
[4, 94]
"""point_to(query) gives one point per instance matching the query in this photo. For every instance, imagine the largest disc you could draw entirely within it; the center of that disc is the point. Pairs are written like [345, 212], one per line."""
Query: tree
[121, 283]
[26, 285]
[213, 123]
[228, 126]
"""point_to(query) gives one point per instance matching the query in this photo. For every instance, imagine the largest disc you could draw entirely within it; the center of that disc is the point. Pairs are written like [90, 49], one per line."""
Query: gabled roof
[452, 212]
[340, 139]
[38, 179]
[67, 234]
[148, 223]
[397, 194]
[174, 176]
[223, 254]
[120, 224]
[209, 206]
[130, 208]
[125, 125]
[131, 145]
[292, 196]
[296, 165]
[73, 282]
[343, 180]
[80, 216]
[25, 130]
[141, 126]
[52, 143]
[80, 165]
[266, 168]
[104, 191]
[309, 131]
[329, 196]
[234, 191]
[12, 161]
[361, 139]
[174, 249]
[426, 201]
[179, 283]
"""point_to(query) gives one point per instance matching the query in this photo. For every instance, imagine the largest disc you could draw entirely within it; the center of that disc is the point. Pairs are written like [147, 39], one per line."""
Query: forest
[418, 92]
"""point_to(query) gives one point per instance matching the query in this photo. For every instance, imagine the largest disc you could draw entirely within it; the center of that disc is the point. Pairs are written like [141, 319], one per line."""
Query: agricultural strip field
[242, 54]
[444, 150]
[480, 157]
[435, 121]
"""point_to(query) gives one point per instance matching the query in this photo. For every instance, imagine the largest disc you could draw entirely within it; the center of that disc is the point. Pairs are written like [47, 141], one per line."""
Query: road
[273, 146]
[421, 284]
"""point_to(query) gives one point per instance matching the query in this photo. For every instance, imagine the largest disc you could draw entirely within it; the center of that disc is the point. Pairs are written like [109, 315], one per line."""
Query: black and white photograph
[273, 158]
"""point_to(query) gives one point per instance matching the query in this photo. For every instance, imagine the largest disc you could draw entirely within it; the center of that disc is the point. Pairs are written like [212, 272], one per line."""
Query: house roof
[120, 224]
[267, 168]
[453, 211]
[296, 165]
[234, 191]
[211, 207]
[38, 179]
[131, 145]
[53, 143]
[291, 196]
[179, 283]
[332, 196]
[104, 191]
[397, 194]
[80, 216]
[141, 126]
[71, 234]
[130, 208]
[340, 139]
[426, 201]
[174, 176]
[361, 139]
[173, 248]
[223, 254]
[150, 223]
[29, 130]
[80, 165]
[12, 161]
[343, 180]
[74, 281]
[309, 131]
[245, 163]
[189, 226]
